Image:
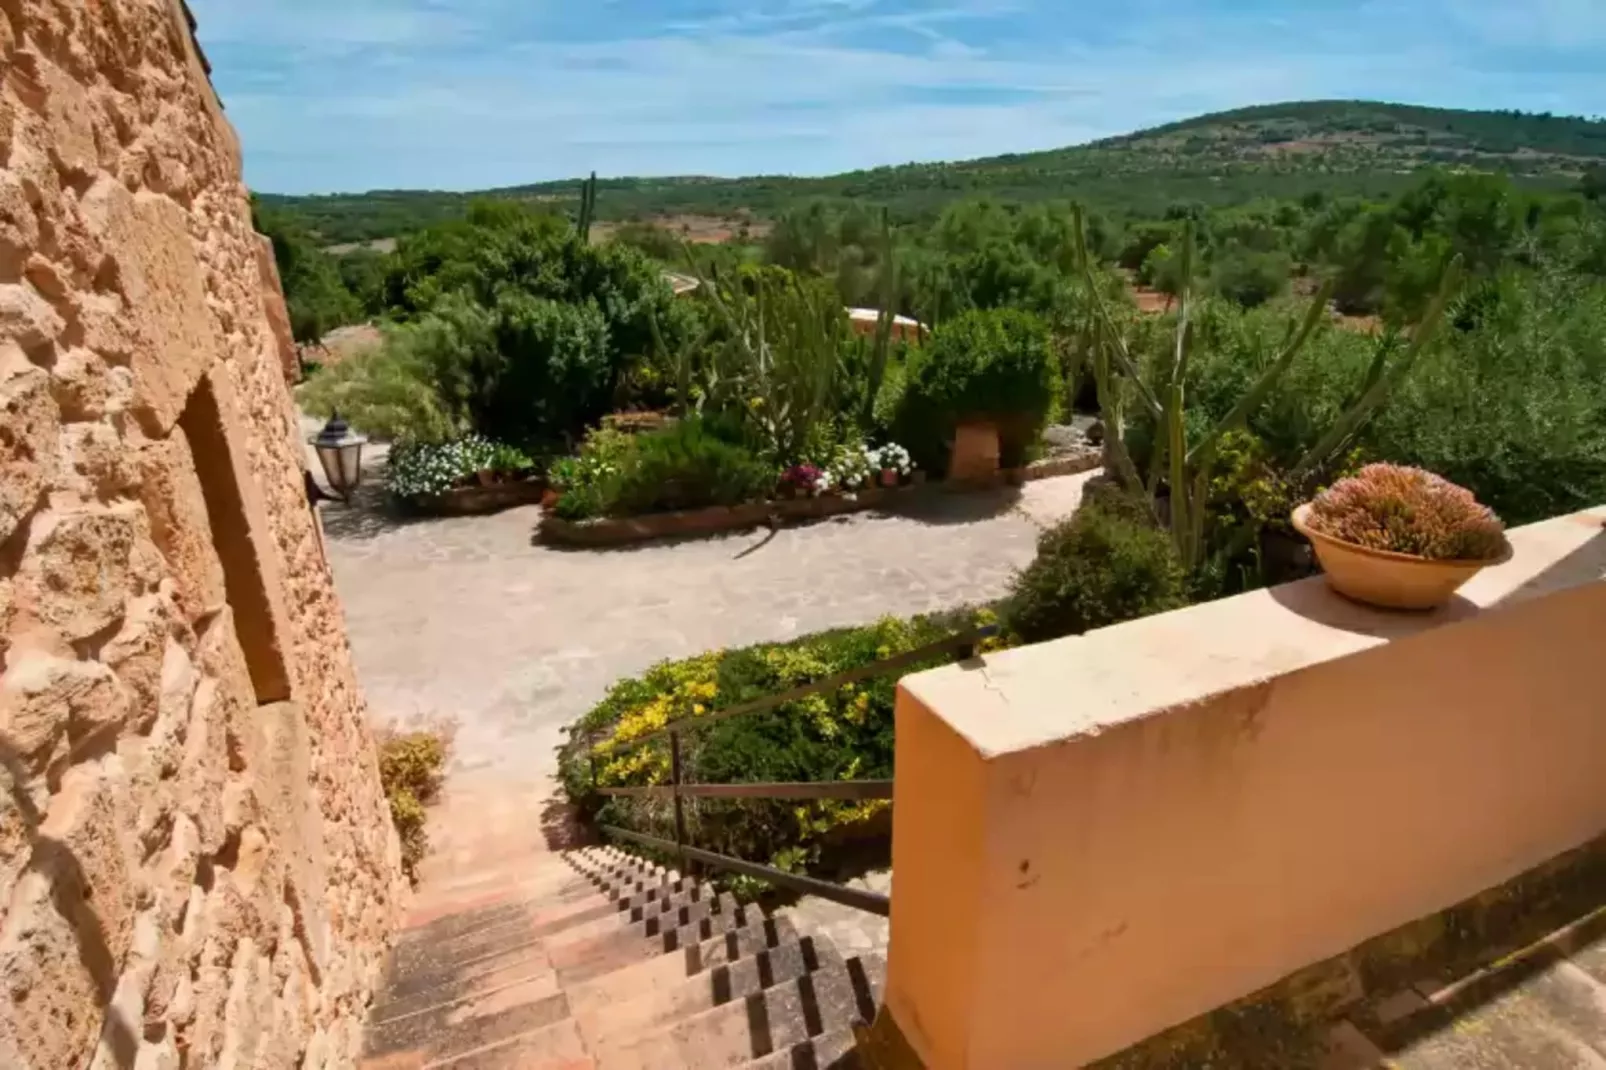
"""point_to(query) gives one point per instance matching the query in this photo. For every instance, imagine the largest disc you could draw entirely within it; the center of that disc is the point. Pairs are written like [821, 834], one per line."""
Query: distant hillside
[1276, 150]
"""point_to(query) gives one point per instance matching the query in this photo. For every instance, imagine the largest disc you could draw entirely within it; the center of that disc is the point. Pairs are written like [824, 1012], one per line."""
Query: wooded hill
[1278, 150]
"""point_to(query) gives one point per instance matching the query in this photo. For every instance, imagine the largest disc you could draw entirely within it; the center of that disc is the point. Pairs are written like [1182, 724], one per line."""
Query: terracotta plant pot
[889, 477]
[1384, 579]
[975, 453]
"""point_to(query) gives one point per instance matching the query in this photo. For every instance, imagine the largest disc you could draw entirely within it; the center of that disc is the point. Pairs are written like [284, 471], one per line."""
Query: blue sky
[340, 95]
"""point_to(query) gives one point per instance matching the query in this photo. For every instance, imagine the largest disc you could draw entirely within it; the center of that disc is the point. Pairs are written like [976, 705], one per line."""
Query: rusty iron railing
[677, 790]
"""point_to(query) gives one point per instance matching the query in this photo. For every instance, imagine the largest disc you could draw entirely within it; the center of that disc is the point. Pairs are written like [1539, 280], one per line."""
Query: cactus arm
[1204, 453]
[1117, 344]
[1383, 385]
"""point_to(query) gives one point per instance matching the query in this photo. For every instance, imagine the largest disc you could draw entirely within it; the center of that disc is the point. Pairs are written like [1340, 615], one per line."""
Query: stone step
[712, 988]
[625, 871]
[667, 971]
[835, 1050]
[674, 913]
[686, 907]
[441, 864]
[421, 992]
[584, 961]
[554, 1047]
[775, 1020]
[630, 900]
[478, 1021]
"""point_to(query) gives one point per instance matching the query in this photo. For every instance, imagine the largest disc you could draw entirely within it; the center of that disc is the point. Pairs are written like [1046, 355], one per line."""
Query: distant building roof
[871, 315]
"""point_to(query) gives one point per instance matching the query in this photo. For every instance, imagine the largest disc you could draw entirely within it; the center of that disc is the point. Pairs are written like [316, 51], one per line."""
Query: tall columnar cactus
[887, 298]
[588, 208]
[1182, 470]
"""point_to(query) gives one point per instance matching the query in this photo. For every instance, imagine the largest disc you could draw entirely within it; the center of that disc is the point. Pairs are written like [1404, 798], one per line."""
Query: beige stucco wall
[195, 856]
[1103, 837]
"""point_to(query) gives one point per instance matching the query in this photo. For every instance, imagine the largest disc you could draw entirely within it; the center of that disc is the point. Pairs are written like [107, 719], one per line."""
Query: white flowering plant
[892, 458]
[850, 469]
[425, 469]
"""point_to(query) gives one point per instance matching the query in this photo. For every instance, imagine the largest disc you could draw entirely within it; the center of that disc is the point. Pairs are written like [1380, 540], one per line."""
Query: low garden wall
[1100, 838]
[622, 531]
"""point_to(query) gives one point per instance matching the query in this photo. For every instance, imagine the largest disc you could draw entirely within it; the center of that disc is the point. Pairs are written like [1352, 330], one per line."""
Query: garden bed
[483, 499]
[624, 531]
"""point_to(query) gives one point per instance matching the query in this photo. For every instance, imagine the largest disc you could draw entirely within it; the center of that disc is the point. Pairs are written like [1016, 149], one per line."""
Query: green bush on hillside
[998, 365]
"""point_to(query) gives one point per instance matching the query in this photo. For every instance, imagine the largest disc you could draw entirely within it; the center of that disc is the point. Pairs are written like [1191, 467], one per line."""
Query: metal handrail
[679, 791]
[873, 902]
[833, 789]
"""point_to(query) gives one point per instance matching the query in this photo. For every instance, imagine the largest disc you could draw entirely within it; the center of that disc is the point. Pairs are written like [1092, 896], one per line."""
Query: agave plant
[1181, 471]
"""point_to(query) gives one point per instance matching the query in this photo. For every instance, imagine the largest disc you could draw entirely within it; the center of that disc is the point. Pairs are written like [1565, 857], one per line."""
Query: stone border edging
[479, 500]
[624, 531]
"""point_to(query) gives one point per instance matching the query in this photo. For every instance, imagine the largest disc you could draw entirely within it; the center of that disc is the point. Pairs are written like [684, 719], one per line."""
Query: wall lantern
[340, 450]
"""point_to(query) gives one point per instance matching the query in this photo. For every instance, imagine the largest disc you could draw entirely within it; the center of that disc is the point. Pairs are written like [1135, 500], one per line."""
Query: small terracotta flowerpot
[549, 497]
[1384, 579]
[889, 477]
[486, 477]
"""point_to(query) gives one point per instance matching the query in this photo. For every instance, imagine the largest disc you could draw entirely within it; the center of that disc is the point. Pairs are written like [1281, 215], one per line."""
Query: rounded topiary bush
[993, 364]
[1104, 565]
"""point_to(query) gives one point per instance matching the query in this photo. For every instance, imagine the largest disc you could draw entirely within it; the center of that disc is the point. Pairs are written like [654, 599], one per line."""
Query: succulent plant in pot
[1401, 538]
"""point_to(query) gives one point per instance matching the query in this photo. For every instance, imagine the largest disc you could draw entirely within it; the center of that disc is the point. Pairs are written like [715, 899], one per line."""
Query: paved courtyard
[467, 619]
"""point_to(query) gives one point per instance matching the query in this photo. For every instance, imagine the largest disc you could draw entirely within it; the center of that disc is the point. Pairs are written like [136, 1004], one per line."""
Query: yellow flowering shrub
[845, 733]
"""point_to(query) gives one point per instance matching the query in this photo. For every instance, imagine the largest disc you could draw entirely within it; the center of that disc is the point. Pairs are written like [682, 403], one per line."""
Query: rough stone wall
[197, 867]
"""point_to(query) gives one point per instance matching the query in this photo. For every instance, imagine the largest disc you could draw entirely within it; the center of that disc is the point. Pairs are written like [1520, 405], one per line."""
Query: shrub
[686, 466]
[411, 767]
[584, 480]
[1408, 511]
[996, 365]
[385, 392]
[1253, 278]
[1105, 565]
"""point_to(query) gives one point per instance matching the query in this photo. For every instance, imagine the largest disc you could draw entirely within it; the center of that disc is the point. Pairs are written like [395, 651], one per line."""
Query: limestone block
[50, 991]
[19, 226]
[27, 318]
[173, 498]
[140, 654]
[28, 437]
[71, 121]
[47, 703]
[95, 461]
[79, 380]
[120, 1032]
[79, 562]
[19, 816]
[59, 970]
[248, 1015]
[203, 765]
[174, 872]
[297, 825]
[108, 329]
[160, 277]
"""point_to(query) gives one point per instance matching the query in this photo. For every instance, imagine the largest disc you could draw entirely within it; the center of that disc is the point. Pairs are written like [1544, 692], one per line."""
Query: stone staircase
[592, 958]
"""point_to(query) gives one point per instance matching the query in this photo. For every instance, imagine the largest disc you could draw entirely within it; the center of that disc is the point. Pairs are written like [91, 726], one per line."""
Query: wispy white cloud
[476, 93]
